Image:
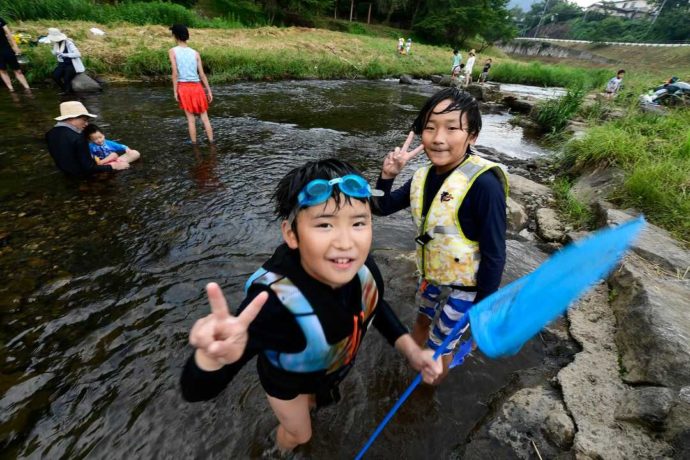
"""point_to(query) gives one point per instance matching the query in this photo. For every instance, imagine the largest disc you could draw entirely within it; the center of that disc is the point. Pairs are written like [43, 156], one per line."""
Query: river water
[100, 281]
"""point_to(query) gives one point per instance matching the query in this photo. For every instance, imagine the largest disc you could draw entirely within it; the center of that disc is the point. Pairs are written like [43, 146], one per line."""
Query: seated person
[68, 146]
[105, 151]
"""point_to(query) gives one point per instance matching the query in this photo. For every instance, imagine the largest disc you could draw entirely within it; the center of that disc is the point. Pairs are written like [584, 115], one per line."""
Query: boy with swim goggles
[307, 308]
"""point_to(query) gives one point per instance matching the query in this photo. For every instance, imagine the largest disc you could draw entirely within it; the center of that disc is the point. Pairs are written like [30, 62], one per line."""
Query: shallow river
[100, 281]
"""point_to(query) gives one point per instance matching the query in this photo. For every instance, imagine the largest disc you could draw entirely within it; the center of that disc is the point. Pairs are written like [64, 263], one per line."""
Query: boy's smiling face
[445, 139]
[97, 138]
[333, 243]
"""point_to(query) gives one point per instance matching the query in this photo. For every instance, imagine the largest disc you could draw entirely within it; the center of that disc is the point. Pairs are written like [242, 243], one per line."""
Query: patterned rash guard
[275, 330]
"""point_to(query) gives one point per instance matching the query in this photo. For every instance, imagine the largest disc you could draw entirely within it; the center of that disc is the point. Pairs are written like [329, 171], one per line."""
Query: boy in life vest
[307, 308]
[458, 205]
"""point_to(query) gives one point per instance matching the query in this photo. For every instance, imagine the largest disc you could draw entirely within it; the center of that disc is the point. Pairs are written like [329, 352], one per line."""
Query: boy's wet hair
[459, 100]
[455, 51]
[91, 129]
[620, 71]
[291, 185]
[180, 32]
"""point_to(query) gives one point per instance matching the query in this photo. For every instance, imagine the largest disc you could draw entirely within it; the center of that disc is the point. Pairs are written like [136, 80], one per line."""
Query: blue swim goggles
[320, 190]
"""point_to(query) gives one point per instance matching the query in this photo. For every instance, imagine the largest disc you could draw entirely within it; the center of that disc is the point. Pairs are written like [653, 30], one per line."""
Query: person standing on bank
[187, 76]
[69, 62]
[8, 57]
[70, 148]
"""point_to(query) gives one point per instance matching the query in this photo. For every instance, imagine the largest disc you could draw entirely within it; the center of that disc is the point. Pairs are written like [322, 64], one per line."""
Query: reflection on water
[101, 280]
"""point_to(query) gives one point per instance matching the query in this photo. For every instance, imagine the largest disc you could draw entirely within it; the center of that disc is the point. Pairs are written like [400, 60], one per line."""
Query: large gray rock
[525, 190]
[549, 226]
[653, 332]
[436, 79]
[654, 244]
[475, 90]
[82, 83]
[592, 388]
[446, 81]
[406, 80]
[517, 217]
[515, 104]
[647, 406]
[530, 417]
[597, 184]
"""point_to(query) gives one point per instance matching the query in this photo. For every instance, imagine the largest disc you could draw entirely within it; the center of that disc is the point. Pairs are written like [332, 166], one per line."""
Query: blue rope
[465, 348]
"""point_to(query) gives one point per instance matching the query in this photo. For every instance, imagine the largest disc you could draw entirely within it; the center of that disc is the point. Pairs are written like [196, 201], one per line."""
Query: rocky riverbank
[616, 379]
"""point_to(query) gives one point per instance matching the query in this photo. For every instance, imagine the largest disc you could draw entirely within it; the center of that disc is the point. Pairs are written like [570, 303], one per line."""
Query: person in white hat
[70, 148]
[68, 58]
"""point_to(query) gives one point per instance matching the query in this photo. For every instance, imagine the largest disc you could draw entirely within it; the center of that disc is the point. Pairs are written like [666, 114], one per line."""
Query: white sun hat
[73, 109]
[54, 35]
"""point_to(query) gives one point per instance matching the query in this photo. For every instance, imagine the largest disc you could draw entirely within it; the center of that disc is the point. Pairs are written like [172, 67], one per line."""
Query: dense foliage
[545, 17]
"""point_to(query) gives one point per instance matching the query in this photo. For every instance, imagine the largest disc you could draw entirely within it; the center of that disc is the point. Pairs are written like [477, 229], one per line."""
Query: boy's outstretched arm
[393, 163]
[221, 338]
[396, 159]
[420, 360]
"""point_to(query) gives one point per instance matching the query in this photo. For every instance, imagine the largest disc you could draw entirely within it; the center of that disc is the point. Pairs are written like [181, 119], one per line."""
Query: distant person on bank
[615, 84]
[68, 146]
[69, 62]
[8, 58]
[484, 76]
[468, 68]
[455, 67]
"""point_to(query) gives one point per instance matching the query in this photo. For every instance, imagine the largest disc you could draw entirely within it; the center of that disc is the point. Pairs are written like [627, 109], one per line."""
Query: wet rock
[653, 325]
[515, 104]
[526, 234]
[525, 122]
[654, 244]
[475, 90]
[520, 425]
[517, 217]
[647, 406]
[83, 83]
[446, 81]
[597, 184]
[559, 428]
[575, 236]
[549, 226]
[406, 80]
[592, 388]
[678, 424]
[436, 79]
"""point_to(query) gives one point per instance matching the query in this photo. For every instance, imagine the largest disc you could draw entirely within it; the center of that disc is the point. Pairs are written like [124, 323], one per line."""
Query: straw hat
[54, 35]
[73, 109]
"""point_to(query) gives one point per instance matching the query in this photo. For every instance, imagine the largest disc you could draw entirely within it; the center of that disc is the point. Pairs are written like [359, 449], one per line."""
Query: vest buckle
[423, 239]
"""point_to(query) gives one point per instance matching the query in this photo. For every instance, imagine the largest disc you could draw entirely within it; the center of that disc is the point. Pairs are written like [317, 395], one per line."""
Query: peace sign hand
[396, 160]
[220, 338]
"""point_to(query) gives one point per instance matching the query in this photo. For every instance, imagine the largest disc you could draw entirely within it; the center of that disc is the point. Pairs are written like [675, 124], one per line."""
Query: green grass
[142, 13]
[540, 74]
[576, 212]
[654, 153]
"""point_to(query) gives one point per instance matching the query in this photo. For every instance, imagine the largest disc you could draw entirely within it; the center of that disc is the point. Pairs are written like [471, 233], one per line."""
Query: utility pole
[659, 12]
[541, 19]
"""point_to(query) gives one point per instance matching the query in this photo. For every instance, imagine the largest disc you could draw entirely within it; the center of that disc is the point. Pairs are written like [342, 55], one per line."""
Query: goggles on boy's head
[320, 190]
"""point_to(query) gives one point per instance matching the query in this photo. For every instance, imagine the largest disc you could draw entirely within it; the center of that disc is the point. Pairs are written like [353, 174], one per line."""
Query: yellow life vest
[445, 256]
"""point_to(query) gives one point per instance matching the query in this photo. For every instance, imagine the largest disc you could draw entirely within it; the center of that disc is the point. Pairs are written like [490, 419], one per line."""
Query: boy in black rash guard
[307, 308]
[458, 204]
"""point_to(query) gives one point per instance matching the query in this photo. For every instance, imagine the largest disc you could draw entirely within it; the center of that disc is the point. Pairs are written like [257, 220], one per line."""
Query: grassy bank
[654, 153]
[130, 52]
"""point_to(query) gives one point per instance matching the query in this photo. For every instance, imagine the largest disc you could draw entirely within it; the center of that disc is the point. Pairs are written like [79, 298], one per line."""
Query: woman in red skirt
[187, 76]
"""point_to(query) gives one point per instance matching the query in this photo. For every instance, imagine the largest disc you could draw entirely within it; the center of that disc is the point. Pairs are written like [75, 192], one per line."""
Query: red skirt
[192, 97]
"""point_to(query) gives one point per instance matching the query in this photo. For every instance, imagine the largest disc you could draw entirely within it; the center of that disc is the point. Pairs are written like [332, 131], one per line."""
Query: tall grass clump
[576, 212]
[653, 151]
[141, 13]
[553, 115]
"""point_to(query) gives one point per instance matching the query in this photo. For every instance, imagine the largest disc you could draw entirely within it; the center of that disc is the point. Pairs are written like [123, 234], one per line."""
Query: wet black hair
[90, 129]
[289, 187]
[180, 32]
[459, 100]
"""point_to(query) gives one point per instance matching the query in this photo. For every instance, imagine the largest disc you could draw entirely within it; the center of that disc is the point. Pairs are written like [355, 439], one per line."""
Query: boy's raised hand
[396, 160]
[220, 338]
